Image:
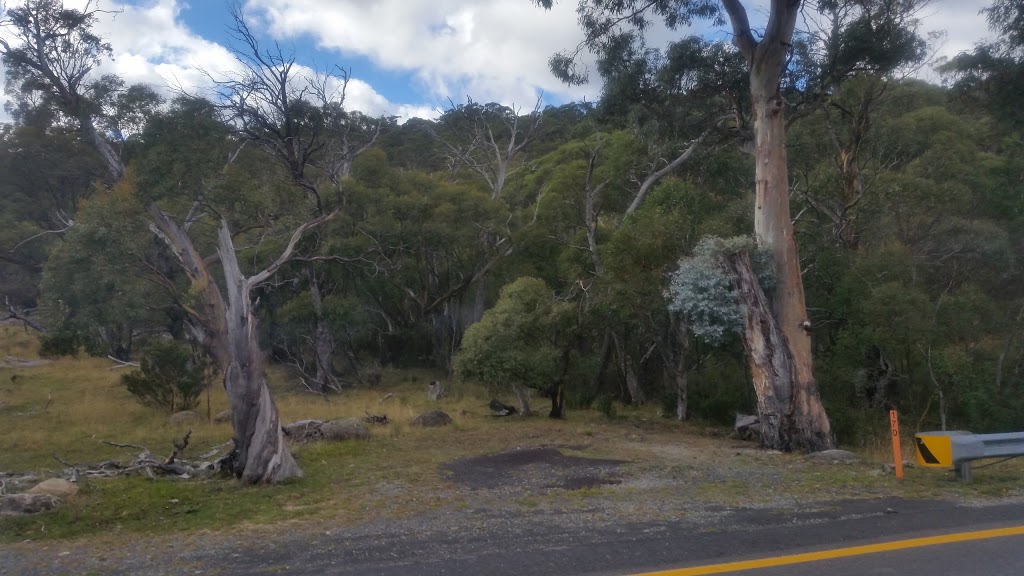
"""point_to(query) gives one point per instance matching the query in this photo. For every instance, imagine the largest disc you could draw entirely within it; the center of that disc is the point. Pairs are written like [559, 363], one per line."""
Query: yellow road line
[839, 553]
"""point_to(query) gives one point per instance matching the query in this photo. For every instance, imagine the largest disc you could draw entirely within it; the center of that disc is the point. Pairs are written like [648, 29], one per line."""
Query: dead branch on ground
[146, 463]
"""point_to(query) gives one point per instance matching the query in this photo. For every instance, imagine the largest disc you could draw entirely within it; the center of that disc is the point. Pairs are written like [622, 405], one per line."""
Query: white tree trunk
[263, 456]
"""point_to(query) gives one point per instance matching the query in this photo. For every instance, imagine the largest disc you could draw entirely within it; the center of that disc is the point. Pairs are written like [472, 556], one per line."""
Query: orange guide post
[894, 421]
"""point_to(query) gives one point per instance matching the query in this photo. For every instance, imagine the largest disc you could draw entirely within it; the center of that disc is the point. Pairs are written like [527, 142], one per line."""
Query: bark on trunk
[606, 353]
[780, 341]
[479, 300]
[523, 396]
[770, 364]
[628, 373]
[636, 395]
[682, 387]
[557, 401]
[680, 370]
[261, 453]
[557, 390]
[263, 456]
[774, 230]
[781, 408]
[111, 158]
[324, 379]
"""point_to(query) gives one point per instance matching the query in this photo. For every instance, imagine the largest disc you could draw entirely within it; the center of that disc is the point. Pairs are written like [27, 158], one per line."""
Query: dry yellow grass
[69, 406]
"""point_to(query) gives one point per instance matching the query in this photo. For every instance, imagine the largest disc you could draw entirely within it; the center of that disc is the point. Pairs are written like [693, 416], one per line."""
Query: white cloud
[362, 97]
[490, 50]
[152, 45]
[960, 19]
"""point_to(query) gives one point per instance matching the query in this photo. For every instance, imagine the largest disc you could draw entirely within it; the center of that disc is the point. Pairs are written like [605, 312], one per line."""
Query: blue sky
[407, 57]
[209, 18]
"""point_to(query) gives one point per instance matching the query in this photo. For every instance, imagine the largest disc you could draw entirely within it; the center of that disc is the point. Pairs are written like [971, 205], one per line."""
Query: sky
[407, 58]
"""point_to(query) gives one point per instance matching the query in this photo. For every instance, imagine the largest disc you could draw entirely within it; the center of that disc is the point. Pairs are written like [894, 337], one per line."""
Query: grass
[66, 408]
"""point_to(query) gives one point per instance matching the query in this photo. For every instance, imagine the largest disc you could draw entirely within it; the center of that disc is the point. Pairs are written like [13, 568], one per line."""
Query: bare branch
[742, 37]
[18, 315]
[285, 256]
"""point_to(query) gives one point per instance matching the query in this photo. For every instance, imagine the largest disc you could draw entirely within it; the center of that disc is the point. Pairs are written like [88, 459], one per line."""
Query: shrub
[513, 342]
[172, 377]
[61, 343]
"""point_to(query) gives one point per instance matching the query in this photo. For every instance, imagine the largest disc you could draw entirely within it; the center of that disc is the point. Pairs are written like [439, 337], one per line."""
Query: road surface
[829, 539]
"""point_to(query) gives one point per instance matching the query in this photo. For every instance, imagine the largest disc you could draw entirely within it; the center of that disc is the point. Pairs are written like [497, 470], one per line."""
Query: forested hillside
[581, 251]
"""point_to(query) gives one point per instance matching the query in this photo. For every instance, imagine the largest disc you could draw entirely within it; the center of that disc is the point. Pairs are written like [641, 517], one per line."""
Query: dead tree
[489, 140]
[298, 118]
[227, 316]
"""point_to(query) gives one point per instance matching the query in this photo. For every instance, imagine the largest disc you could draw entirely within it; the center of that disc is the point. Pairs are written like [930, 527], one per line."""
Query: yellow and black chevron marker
[934, 449]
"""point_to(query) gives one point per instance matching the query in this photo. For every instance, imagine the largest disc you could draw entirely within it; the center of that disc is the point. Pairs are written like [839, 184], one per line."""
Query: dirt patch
[532, 469]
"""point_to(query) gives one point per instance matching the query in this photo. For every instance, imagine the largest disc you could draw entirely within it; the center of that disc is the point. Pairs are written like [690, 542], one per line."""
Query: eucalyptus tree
[849, 60]
[428, 230]
[52, 51]
[673, 112]
[53, 54]
[524, 341]
[106, 286]
[782, 358]
[211, 205]
[991, 74]
[288, 117]
[491, 142]
[44, 174]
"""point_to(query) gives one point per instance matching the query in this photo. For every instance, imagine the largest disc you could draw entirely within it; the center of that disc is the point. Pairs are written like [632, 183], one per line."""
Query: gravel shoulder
[538, 509]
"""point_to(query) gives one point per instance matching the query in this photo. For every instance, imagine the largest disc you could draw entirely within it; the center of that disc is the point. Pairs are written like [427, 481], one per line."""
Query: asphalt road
[1001, 556]
[489, 542]
[535, 549]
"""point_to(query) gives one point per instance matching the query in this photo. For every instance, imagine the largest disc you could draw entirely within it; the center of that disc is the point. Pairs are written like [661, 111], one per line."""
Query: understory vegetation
[588, 256]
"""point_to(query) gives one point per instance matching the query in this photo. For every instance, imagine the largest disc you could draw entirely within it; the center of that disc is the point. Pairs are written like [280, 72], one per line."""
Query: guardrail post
[963, 471]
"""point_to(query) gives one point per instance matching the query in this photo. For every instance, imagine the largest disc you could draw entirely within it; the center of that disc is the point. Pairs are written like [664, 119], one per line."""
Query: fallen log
[146, 463]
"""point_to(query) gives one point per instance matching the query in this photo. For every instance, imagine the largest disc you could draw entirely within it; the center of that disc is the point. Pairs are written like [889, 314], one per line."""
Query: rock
[17, 504]
[345, 429]
[184, 417]
[222, 416]
[303, 430]
[55, 487]
[834, 456]
[432, 419]
[747, 427]
[501, 409]
[889, 467]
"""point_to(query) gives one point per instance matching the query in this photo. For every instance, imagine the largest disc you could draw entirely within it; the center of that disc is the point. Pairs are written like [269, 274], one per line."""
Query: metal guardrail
[958, 449]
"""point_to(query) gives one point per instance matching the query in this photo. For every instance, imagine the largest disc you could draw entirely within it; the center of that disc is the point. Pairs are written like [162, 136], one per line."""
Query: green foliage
[59, 343]
[172, 376]
[605, 404]
[96, 286]
[514, 343]
[702, 289]
[924, 297]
